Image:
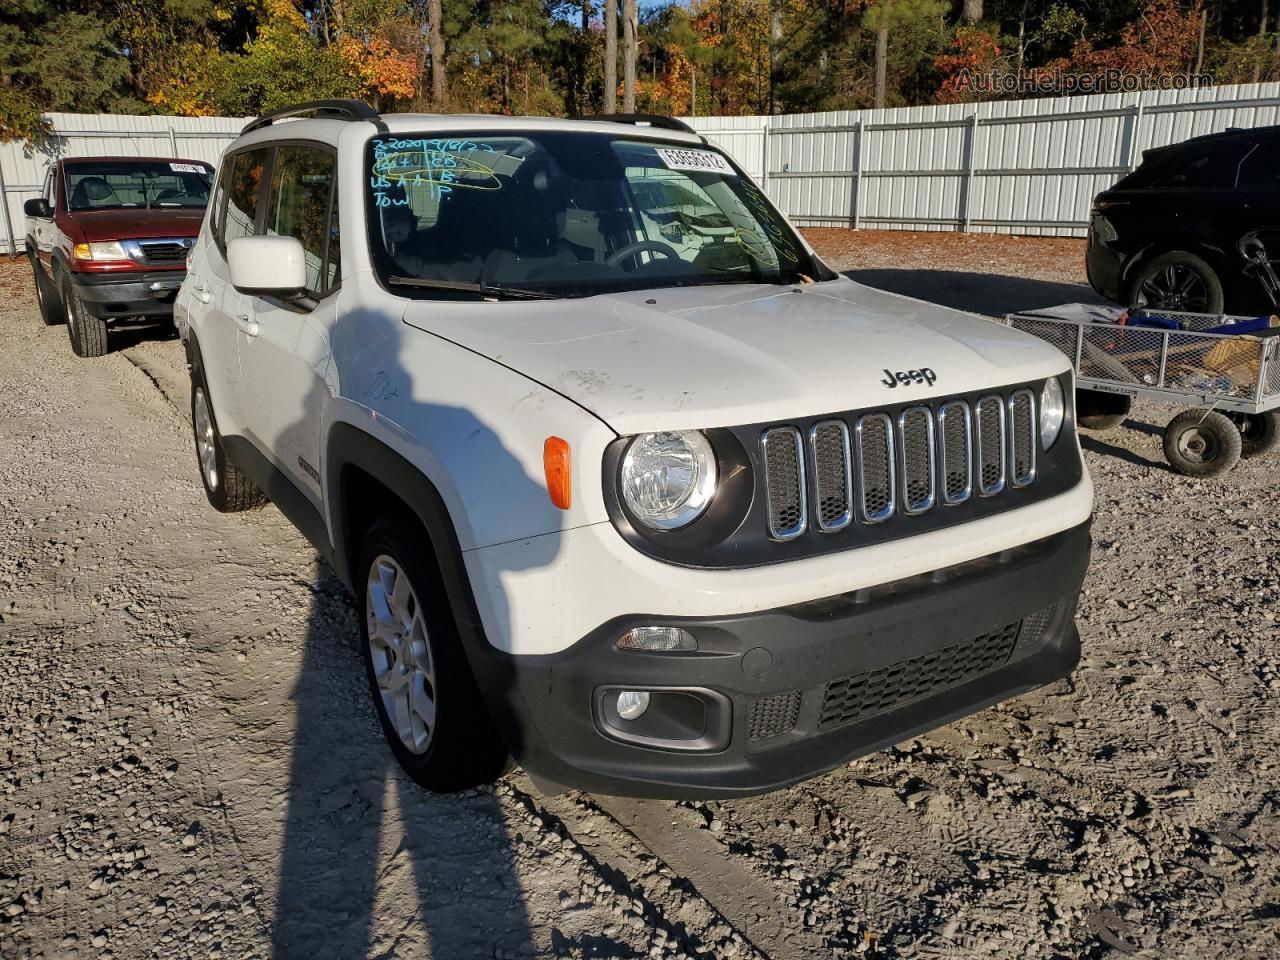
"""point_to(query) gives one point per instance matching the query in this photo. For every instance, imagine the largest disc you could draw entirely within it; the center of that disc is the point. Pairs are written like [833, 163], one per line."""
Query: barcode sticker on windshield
[186, 168]
[699, 161]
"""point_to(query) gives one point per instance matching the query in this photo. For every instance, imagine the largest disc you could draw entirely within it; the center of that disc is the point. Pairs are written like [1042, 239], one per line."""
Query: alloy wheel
[1174, 287]
[401, 654]
[205, 439]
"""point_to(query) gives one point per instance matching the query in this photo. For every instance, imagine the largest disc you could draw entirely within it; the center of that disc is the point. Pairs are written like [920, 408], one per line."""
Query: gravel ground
[192, 768]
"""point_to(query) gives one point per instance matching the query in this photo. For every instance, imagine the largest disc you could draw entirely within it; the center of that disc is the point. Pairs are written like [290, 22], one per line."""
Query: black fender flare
[348, 446]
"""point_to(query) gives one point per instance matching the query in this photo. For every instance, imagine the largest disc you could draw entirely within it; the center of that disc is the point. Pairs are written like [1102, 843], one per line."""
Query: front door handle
[202, 293]
[247, 326]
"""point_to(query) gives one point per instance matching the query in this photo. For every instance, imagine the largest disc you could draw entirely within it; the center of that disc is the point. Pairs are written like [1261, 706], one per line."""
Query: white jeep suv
[628, 485]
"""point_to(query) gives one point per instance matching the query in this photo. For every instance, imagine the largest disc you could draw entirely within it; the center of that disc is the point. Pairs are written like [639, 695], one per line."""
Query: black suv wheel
[1175, 281]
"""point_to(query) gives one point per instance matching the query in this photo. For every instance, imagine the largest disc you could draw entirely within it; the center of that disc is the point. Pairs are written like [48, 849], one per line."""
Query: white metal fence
[1014, 166]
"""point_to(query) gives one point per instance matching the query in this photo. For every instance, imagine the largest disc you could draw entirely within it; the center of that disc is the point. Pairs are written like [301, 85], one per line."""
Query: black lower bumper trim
[801, 689]
[128, 295]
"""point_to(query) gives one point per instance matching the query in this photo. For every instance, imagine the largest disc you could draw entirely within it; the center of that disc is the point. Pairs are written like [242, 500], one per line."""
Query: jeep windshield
[131, 184]
[568, 215]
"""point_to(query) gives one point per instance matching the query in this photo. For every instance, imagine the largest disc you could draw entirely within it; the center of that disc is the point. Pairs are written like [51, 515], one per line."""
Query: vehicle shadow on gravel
[373, 864]
[990, 294]
[1095, 444]
[363, 844]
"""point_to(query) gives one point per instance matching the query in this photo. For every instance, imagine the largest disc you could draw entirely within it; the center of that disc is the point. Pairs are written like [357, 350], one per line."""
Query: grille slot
[916, 443]
[772, 716]
[876, 480]
[877, 691]
[785, 482]
[1022, 438]
[164, 252]
[832, 475]
[990, 424]
[955, 427]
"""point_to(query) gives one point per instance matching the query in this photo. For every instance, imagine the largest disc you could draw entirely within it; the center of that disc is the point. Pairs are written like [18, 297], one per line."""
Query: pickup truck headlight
[668, 479]
[1053, 408]
[106, 250]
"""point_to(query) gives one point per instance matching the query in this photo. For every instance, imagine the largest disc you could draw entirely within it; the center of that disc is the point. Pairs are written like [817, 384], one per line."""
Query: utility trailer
[1227, 384]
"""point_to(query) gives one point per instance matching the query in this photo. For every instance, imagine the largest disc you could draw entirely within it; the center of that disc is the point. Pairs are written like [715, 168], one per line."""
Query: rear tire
[1096, 410]
[88, 333]
[425, 695]
[226, 487]
[46, 294]
[1200, 444]
[1259, 432]
[1177, 280]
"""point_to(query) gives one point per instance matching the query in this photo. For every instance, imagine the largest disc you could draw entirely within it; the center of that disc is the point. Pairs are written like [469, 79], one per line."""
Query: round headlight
[1053, 407]
[668, 478]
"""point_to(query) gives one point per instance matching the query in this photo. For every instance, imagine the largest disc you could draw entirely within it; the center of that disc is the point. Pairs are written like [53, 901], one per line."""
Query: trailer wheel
[1201, 444]
[1259, 432]
[1096, 410]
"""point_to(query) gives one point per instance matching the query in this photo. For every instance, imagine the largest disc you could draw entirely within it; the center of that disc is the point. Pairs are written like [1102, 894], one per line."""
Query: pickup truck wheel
[50, 307]
[1259, 432]
[426, 697]
[88, 333]
[1201, 444]
[226, 487]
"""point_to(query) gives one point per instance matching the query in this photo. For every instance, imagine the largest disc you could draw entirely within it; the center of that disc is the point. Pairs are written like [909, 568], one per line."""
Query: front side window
[244, 187]
[301, 188]
[132, 184]
[569, 214]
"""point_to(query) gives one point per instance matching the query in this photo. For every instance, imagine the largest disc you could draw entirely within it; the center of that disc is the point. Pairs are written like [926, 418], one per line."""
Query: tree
[610, 56]
[630, 27]
[439, 80]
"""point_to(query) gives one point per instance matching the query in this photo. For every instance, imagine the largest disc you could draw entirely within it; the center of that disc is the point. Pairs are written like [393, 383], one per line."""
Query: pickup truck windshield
[567, 215]
[130, 184]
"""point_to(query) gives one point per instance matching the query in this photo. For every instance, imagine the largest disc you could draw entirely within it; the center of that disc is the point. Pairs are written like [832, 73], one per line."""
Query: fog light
[632, 704]
[657, 638]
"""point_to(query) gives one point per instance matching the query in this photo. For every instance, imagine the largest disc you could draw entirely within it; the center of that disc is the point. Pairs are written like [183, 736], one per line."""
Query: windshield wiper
[462, 286]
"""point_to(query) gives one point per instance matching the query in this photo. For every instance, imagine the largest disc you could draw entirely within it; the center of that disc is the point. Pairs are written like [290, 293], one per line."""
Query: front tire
[48, 301]
[88, 333]
[1200, 444]
[226, 487]
[1177, 280]
[426, 697]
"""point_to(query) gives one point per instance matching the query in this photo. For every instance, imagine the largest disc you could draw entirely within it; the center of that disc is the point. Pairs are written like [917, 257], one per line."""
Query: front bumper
[791, 692]
[140, 294]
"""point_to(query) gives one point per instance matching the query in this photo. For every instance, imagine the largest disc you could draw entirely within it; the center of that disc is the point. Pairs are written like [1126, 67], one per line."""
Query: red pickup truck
[108, 239]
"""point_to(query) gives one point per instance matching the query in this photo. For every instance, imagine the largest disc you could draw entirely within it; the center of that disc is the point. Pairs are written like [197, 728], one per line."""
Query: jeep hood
[696, 357]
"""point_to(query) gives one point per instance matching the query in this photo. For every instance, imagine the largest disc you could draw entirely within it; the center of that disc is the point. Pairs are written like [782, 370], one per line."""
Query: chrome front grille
[955, 429]
[991, 445]
[832, 475]
[878, 465]
[1022, 432]
[785, 483]
[876, 474]
[916, 441]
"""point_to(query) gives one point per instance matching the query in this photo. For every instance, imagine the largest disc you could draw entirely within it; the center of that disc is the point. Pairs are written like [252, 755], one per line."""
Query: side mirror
[38, 207]
[268, 266]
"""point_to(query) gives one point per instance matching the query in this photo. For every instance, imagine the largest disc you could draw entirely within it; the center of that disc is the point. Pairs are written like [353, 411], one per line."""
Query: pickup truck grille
[874, 466]
[166, 251]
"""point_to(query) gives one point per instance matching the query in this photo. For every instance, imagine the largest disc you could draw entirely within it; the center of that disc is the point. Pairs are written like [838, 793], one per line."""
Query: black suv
[1191, 228]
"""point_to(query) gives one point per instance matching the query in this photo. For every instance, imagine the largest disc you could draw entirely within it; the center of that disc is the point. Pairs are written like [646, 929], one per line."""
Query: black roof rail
[320, 109]
[652, 119]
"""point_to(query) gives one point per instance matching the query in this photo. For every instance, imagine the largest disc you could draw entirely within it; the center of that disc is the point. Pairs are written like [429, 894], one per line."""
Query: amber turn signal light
[555, 461]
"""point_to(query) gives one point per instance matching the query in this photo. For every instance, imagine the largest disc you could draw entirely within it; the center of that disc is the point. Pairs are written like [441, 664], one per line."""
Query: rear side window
[299, 206]
[1206, 168]
[244, 188]
[1260, 170]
